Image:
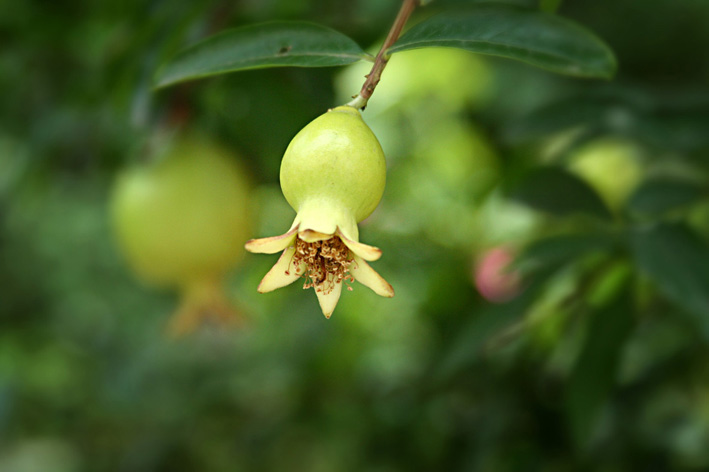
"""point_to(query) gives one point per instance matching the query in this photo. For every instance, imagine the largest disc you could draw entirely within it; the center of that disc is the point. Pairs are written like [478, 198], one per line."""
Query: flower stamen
[326, 263]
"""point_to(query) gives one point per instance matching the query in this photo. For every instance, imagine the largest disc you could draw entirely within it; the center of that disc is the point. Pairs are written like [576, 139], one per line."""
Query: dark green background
[601, 363]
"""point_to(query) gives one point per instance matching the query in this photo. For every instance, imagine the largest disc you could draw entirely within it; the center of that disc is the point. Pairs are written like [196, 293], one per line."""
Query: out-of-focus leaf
[661, 195]
[596, 369]
[605, 286]
[619, 112]
[466, 347]
[558, 250]
[593, 113]
[466, 3]
[556, 191]
[549, 5]
[677, 260]
[271, 44]
[534, 37]
[682, 129]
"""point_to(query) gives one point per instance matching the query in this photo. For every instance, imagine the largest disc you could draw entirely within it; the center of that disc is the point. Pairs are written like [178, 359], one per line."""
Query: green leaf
[684, 129]
[596, 369]
[620, 112]
[272, 44]
[662, 195]
[677, 260]
[593, 113]
[557, 191]
[556, 251]
[470, 342]
[549, 5]
[530, 36]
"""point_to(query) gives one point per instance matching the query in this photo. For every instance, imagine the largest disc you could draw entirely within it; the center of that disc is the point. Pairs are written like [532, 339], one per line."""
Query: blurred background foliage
[589, 353]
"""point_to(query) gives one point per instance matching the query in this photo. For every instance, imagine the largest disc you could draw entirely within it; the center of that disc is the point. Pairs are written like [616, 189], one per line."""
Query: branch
[380, 62]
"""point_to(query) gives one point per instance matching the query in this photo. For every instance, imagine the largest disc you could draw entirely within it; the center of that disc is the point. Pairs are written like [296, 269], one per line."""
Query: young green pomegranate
[181, 221]
[333, 175]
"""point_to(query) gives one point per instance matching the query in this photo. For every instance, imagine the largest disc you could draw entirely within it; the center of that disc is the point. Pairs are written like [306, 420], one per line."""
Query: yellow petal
[328, 301]
[310, 236]
[365, 275]
[366, 252]
[273, 244]
[283, 273]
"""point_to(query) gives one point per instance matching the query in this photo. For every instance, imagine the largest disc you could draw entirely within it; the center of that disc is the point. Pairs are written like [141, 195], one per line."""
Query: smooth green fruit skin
[184, 217]
[335, 161]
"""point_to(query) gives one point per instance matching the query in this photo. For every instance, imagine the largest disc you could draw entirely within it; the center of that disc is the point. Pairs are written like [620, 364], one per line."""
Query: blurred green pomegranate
[451, 80]
[613, 166]
[181, 221]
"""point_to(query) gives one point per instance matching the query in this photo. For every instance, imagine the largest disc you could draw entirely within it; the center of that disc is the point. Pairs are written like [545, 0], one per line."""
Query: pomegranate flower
[333, 175]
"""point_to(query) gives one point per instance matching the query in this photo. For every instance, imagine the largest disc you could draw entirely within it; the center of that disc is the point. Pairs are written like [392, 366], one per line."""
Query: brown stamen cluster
[326, 263]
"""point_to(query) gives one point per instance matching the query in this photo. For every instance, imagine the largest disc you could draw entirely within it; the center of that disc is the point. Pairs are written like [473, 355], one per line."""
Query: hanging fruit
[181, 221]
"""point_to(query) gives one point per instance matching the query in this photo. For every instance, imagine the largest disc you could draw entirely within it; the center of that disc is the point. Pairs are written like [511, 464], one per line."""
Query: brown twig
[380, 62]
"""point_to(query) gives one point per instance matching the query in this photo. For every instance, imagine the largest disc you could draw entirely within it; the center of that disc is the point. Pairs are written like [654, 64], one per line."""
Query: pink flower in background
[492, 278]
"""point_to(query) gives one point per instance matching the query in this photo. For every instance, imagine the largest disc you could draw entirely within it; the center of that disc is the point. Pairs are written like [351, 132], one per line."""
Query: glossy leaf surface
[273, 44]
[537, 38]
